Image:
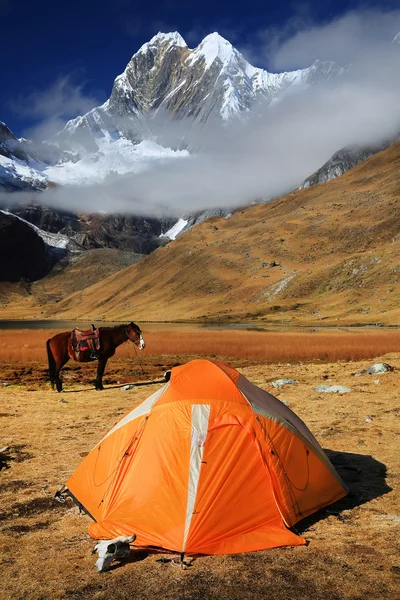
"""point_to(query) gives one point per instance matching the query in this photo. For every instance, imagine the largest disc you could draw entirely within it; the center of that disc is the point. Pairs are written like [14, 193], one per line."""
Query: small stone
[379, 368]
[376, 368]
[280, 382]
[368, 419]
[127, 387]
[377, 381]
[332, 389]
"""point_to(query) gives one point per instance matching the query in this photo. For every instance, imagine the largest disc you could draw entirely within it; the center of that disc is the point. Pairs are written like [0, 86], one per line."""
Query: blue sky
[83, 45]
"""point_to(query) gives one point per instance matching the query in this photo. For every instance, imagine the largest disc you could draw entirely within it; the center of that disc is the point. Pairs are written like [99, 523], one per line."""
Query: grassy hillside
[329, 253]
[30, 300]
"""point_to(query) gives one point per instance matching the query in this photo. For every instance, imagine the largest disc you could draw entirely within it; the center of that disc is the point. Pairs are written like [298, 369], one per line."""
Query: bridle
[140, 342]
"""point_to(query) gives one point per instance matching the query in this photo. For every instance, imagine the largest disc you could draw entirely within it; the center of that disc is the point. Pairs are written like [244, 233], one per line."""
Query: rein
[138, 359]
[136, 352]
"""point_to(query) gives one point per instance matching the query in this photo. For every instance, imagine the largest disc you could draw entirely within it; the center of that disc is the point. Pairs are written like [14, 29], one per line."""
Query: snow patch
[114, 157]
[54, 240]
[175, 230]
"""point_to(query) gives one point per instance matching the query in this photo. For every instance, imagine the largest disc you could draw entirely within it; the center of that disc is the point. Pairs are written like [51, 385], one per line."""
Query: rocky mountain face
[166, 78]
[342, 161]
[68, 235]
[23, 163]
[23, 252]
[84, 232]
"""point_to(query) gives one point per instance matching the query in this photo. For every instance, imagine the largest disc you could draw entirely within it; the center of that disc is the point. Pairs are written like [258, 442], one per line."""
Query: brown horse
[59, 347]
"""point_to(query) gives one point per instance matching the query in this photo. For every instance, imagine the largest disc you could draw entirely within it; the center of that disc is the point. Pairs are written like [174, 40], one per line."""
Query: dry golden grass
[29, 345]
[353, 547]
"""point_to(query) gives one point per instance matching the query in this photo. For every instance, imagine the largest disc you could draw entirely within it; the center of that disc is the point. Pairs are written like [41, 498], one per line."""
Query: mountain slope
[325, 253]
[27, 299]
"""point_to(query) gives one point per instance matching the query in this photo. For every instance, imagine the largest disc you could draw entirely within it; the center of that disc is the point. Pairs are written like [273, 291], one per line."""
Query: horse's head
[135, 335]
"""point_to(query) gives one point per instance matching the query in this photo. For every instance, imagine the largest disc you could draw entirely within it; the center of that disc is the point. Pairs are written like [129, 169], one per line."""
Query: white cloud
[52, 107]
[350, 38]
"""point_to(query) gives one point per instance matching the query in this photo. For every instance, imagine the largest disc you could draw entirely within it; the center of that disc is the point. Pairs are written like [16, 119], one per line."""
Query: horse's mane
[115, 326]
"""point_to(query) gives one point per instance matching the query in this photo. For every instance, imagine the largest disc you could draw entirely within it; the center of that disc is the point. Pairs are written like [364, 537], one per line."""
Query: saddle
[84, 344]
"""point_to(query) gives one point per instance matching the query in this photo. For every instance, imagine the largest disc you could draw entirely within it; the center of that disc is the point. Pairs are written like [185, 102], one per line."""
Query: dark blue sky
[91, 41]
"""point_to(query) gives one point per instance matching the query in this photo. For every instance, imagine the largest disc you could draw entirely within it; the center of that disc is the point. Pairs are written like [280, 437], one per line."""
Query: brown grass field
[29, 345]
[352, 550]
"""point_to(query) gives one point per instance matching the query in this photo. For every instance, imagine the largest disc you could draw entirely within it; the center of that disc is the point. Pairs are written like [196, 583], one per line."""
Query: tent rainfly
[208, 464]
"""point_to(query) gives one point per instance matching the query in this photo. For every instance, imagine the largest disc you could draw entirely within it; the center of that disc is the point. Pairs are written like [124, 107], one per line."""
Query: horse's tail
[52, 364]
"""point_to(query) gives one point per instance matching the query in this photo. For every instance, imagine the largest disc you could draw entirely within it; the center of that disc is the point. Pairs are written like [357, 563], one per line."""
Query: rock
[332, 389]
[379, 368]
[374, 369]
[280, 382]
[127, 387]
[368, 419]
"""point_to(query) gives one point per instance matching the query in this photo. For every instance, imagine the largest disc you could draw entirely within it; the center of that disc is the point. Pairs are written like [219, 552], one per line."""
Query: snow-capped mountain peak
[213, 46]
[173, 38]
[163, 81]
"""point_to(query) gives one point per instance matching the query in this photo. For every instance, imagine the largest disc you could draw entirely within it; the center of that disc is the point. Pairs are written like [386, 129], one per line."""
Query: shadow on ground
[116, 387]
[365, 478]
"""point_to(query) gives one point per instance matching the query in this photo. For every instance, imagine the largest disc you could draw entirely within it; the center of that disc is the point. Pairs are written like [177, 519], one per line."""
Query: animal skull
[109, 550]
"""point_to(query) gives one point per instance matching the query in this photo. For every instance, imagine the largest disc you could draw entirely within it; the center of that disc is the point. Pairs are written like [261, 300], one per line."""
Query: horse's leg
[57, 353]
[100, 372]
[59, 366]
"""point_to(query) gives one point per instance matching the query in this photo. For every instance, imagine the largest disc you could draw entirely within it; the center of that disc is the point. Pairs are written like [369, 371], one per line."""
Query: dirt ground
[353, 546]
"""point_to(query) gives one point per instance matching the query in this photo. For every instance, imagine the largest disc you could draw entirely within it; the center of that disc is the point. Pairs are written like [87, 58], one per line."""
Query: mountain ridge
[324, 255]
[162, 75]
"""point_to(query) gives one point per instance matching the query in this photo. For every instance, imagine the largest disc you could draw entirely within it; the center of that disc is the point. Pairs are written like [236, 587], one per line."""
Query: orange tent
[208, 464]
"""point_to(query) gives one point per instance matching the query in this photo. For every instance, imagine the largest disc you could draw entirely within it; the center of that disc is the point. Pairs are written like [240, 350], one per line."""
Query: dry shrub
[30, 345]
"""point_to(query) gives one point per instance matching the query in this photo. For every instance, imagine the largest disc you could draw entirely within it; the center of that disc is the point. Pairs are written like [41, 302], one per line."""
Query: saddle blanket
[84, 345]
